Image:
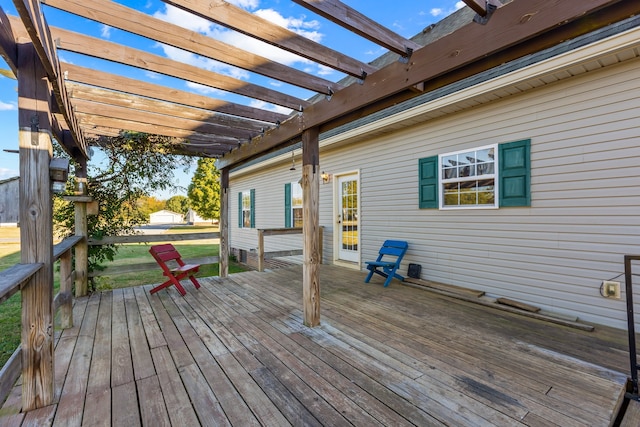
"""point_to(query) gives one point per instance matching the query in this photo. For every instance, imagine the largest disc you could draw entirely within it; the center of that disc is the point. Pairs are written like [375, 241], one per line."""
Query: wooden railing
[150, 238]
[14, 278]
[262, 255]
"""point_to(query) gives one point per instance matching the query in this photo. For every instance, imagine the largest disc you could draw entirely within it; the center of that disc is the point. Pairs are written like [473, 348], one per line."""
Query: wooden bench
[394, 251]
[165, 253]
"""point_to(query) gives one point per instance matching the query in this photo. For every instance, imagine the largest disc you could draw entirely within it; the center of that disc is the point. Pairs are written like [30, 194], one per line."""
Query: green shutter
[240, 209]
[253, 208]
[287, 205]
[515, 173]
[428, 182]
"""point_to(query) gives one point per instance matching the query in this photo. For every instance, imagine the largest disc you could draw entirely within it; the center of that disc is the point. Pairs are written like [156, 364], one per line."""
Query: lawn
[135, 253]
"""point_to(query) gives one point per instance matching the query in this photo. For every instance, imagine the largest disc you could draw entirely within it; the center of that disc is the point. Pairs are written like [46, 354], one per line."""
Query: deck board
[235, 352]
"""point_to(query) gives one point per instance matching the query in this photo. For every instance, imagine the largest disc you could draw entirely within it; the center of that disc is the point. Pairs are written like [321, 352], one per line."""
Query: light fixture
[58, 173]
[326, 178]
[293, 162]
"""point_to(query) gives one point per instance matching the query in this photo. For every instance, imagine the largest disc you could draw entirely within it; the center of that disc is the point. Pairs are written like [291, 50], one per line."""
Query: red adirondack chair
[165, 253]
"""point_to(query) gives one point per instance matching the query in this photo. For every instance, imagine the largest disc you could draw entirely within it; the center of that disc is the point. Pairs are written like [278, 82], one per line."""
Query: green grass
[136, 253]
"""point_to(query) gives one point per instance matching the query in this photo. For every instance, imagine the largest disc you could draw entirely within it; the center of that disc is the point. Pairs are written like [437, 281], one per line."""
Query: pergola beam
[115, 82]
[127, 19]
[8, 49]
[91, 46]
[252, 25]
[34, 24]
[354, 21]
[538, 27]
[99, 97]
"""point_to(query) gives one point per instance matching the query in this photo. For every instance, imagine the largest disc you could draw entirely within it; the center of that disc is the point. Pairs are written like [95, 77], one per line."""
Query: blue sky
[406, 17]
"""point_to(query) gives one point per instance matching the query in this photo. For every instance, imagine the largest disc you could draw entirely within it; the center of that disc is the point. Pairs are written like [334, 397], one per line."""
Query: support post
[260, 250]
[310, 225]
[66, 309]
[224, 223]
[36, 229]
[81, 249]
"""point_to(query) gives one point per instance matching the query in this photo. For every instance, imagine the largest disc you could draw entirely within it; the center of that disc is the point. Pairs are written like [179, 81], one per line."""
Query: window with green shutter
[486, 177]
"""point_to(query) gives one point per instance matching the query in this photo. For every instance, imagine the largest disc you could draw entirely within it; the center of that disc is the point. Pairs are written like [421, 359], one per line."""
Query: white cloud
[205, 90]
[204, 63]
[323, 70]
[270, 107]
[8, 173]
[105, 31]
[299, 26]
[247, 4]
[152, 75]
[184, 19]
[438, 11]
[4, 106]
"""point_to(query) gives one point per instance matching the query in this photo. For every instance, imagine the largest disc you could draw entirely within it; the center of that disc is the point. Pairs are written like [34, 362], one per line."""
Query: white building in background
[166, 217]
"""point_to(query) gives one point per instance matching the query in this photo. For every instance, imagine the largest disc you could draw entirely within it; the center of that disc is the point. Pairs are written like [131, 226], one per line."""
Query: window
[293, 205]
[468, 178]
[489, 176]
[246, 209]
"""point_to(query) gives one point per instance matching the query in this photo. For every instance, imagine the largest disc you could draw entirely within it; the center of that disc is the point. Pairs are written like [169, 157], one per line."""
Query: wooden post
[81, 250]
[260, 250]
[66, 309]
[310, 225]
[224, 223]
[36, 229]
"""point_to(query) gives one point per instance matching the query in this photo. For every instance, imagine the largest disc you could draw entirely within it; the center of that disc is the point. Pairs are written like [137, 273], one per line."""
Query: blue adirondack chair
[393, 250]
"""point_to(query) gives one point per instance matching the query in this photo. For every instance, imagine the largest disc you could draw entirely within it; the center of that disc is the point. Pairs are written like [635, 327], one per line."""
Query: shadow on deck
[236, 353]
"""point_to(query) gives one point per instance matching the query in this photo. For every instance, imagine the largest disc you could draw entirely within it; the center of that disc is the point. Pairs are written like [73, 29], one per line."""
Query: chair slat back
[164, 252]
[394, 248]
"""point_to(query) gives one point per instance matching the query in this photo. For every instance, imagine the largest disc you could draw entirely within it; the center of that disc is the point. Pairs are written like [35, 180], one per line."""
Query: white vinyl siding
[585, 195]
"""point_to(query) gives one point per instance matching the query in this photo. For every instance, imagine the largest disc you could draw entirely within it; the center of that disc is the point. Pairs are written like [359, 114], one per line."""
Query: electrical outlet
[611, 289]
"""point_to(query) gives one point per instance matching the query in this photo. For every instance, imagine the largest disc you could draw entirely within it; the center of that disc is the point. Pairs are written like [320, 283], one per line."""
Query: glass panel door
[347, 218]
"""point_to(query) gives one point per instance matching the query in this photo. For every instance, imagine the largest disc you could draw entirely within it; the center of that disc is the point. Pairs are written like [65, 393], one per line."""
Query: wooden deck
[235, 353]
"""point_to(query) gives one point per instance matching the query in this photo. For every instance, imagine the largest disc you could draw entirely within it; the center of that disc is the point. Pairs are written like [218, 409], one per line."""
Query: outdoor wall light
[58, 172]
[326, 178]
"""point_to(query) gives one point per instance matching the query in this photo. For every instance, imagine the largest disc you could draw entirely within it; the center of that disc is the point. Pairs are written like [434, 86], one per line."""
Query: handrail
[628, 277]
[67, 243]
[151, 238]
[14, 277]
[262, 232]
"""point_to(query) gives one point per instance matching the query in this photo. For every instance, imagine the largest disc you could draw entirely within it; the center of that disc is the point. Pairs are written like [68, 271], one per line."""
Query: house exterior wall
[585, 196]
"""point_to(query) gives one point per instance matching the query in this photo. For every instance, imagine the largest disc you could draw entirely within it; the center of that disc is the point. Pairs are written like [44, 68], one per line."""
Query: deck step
[632, 415]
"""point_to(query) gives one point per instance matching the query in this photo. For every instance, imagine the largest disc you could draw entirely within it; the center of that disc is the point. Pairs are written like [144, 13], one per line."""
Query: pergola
[79, 106]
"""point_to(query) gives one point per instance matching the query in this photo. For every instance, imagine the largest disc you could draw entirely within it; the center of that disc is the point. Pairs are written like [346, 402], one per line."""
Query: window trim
[495, 176]
[251, 210]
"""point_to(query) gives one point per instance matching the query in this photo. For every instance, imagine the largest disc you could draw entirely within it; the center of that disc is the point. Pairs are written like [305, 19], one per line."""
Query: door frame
[338, 232]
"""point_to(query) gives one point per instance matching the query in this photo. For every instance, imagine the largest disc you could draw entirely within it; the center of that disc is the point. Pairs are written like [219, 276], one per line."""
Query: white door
[347, 218]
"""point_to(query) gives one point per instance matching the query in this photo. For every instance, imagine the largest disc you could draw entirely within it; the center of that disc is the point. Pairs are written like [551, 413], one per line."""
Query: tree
[204, 190]
[179, 204]
[135, 165]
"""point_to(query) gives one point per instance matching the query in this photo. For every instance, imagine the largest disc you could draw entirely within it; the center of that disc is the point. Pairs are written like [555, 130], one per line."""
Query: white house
[193, 218]
[522, 181]
[166, 217]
